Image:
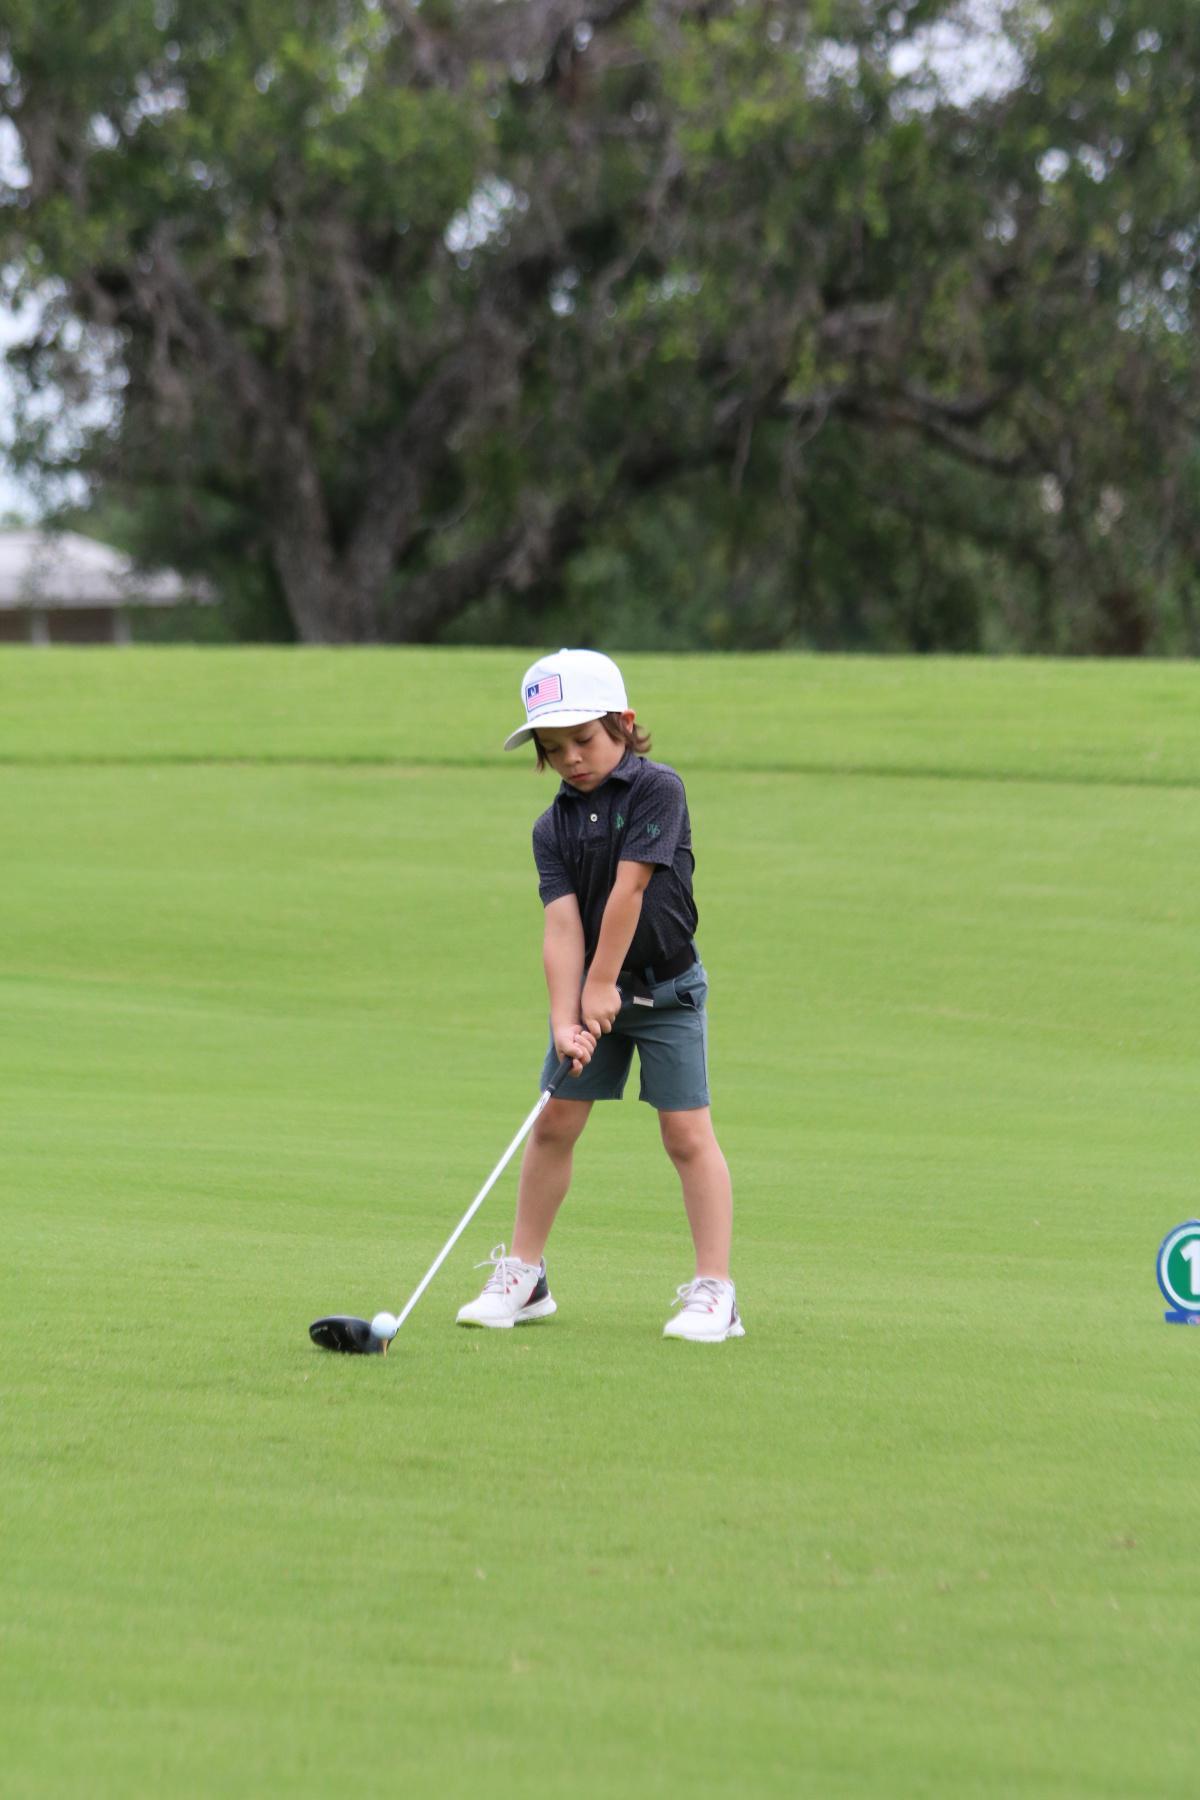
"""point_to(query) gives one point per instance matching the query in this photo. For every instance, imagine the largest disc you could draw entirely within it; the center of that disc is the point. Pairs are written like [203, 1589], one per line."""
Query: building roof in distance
[60, 569]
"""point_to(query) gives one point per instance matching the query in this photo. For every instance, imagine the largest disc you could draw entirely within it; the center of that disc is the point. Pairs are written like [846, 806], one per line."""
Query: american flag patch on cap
[546, 692]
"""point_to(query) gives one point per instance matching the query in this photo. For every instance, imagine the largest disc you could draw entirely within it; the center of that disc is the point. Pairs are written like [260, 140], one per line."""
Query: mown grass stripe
[849, 771]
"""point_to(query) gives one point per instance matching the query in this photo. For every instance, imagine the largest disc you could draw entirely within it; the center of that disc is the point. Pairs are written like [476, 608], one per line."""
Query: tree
[426, 307]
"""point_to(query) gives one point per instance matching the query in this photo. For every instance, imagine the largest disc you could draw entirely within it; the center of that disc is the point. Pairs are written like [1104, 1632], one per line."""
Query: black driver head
[353, 1337]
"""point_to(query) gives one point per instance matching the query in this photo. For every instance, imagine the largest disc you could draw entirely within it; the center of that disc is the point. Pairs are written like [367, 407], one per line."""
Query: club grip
[560, 1074]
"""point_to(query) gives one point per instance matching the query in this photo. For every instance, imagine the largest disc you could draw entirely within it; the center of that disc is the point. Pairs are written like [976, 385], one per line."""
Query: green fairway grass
[273, 1006]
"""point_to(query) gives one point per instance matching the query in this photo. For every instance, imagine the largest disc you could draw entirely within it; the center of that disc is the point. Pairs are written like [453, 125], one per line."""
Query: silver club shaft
[483, 1193]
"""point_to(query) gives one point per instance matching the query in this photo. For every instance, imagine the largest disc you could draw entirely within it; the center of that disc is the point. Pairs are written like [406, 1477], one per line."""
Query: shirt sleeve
[554, 880]
[657, 818]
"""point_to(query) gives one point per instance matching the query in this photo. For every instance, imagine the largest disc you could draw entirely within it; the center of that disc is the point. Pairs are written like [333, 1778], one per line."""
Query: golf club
[354, 1337]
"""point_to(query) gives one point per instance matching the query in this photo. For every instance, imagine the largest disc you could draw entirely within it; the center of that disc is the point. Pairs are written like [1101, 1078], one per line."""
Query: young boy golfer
[614, 860]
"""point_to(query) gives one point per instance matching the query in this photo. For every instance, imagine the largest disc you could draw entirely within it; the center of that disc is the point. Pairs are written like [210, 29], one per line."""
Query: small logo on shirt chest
[620, 822]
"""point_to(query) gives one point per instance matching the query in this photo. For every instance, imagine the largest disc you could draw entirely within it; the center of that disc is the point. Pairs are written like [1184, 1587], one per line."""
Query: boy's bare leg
[546, 1174]
[692, 1146]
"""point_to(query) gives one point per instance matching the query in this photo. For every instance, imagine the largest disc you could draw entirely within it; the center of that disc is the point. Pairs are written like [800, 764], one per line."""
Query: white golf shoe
[707, 1313]
[515, 1293]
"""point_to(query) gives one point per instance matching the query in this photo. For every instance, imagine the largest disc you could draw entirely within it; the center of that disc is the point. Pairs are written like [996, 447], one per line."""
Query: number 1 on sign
[1191, 1255]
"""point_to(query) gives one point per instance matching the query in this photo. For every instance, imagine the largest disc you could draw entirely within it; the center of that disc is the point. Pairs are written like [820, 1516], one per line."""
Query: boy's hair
[633, 736]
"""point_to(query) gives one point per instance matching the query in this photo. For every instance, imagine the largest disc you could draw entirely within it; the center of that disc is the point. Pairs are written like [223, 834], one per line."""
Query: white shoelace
[503, 1266]
[700, 1295]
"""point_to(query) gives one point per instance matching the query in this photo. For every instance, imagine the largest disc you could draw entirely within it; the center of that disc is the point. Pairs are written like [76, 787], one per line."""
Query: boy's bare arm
[601, 1000]
[562, 959]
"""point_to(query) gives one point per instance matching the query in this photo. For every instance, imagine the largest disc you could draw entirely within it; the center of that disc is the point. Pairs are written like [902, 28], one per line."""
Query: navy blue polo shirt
[637, 814]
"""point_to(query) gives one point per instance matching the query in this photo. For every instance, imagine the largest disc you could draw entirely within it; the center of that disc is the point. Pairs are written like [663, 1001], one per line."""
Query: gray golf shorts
[670, 1034]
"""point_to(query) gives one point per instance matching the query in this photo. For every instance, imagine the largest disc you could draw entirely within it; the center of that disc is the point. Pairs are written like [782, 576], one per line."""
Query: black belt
[640, 981]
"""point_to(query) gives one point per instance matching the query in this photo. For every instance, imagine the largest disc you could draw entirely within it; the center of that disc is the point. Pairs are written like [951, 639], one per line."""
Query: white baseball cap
[568, 688]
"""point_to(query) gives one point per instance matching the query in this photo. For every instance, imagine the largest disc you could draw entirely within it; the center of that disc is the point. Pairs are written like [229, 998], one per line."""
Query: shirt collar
[626, 770]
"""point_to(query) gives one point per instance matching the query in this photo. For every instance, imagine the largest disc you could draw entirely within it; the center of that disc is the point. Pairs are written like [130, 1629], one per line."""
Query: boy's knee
[560, 1122]
[686, 1135]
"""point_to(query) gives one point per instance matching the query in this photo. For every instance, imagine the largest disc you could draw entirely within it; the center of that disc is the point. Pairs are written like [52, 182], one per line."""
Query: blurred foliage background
[840, 325]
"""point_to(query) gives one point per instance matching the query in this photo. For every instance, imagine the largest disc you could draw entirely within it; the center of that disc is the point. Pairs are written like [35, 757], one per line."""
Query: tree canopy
[841, 323]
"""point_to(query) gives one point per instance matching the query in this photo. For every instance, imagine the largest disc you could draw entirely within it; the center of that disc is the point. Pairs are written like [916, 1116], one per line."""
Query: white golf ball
[384, 1326]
